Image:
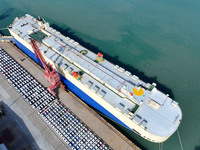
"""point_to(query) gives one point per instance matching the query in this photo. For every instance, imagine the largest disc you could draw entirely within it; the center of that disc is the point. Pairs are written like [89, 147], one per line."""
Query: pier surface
[43, 134]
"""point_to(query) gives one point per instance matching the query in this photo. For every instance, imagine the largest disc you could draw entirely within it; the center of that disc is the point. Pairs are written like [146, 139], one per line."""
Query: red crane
[50, 74]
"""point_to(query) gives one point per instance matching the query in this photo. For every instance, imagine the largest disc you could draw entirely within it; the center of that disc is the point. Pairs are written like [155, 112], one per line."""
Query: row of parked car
[73, 131]
[32, 91]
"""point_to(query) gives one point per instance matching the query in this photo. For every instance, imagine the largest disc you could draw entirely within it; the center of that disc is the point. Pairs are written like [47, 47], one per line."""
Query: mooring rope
[3, 28]
[160, 146]
[179, 137]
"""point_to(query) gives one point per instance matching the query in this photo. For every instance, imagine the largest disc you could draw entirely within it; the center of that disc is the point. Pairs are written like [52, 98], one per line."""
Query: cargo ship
[115, 92]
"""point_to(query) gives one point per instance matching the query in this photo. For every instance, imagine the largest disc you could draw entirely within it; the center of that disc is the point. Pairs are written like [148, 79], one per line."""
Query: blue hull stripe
[74, 88]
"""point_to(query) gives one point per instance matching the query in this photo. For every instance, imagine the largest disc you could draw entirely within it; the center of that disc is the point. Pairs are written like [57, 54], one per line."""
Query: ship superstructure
[109, 88]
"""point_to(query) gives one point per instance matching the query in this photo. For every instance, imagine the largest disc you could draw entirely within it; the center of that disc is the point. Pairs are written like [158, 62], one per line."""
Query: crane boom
[38, 54]
[50, 74]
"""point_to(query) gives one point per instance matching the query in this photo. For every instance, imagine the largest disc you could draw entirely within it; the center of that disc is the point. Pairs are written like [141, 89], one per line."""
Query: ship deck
[138, 104]
[101, 128]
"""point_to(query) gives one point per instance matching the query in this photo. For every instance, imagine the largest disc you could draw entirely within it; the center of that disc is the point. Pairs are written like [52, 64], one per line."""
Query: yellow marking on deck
[138, 91]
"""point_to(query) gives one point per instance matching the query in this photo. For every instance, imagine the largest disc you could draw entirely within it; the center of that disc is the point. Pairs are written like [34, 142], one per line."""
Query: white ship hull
[92, 98]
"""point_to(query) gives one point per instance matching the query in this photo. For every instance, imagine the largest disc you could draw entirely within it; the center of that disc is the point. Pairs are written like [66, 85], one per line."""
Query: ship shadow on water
[115, 60]
[6, 13]
[197, 148]
[3, 16]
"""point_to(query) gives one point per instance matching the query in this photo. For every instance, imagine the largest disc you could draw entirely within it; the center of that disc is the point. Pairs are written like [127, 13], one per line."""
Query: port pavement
[43, 134]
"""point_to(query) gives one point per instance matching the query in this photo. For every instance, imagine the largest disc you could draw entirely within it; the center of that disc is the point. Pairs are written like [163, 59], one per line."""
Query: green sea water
[157, 40]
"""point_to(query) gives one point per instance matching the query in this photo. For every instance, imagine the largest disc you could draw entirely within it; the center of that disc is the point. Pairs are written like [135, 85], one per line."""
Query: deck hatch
[89, 84]
[144, 124]
[137, 119]
[69, 69]
[95, 88]
[101, 93]
[120, 106]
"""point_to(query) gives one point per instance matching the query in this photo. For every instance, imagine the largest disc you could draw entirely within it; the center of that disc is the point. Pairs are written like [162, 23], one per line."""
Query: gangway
[50, 74]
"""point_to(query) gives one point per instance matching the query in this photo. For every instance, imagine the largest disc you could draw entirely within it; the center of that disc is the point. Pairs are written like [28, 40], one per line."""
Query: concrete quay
[44, 135]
